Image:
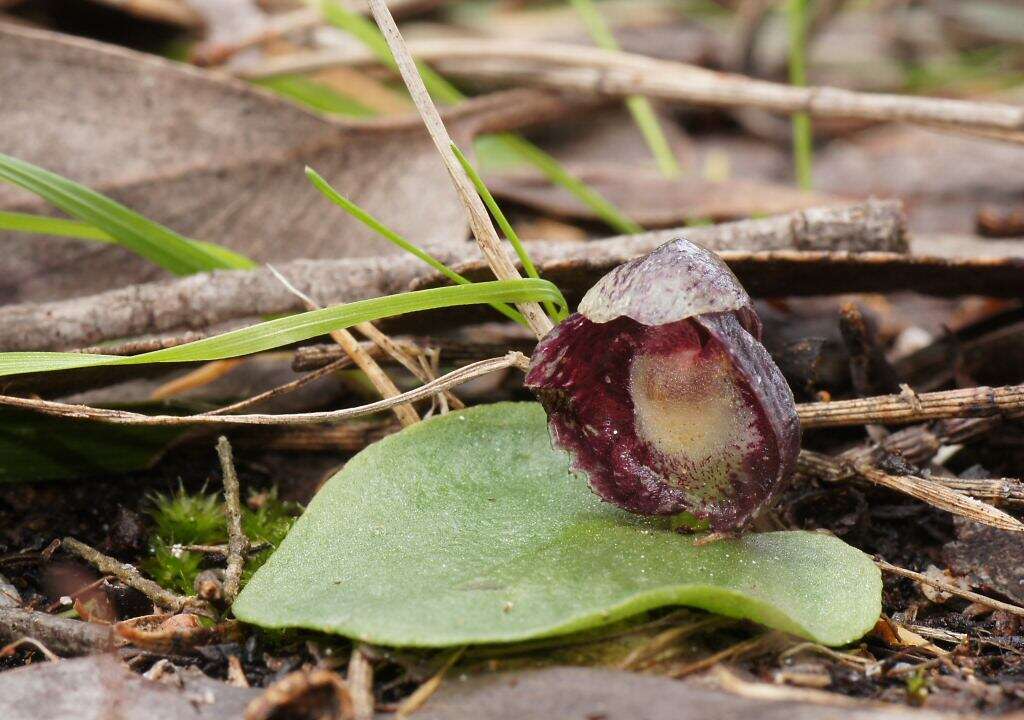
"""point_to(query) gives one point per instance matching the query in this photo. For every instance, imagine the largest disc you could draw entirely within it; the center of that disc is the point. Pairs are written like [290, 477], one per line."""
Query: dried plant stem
[200, 377]
[238, 543]
[306, 379]
[131, 577]
[421, 694]
[486, 236]
[929, 491]
[757, 644]
[620, 74]
[121, 417]
[405, 413]
[62, 635]
[403, 357]
[950, 588]
[203, 300]
[360, 684]
[909, 407]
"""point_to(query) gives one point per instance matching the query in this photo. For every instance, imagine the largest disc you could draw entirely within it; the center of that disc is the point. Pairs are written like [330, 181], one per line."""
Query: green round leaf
[469, 528]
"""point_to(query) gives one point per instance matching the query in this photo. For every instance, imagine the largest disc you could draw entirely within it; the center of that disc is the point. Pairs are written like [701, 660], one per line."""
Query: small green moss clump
[183, 518]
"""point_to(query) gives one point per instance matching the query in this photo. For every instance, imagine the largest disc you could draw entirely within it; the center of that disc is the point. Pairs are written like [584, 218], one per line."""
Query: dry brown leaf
[212, 158]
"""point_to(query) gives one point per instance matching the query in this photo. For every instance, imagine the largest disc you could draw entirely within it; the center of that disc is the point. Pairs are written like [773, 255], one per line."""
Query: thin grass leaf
[559, 175]
[639, 107]
[315, 95]
[380, 228]
[503, 223]
[442, 90]
[295, 328]
[368, 34]
[144, 237]
[60, 227]
[802, 140]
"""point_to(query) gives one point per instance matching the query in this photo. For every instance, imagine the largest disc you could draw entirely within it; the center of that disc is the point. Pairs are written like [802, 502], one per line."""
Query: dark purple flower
[661, 392]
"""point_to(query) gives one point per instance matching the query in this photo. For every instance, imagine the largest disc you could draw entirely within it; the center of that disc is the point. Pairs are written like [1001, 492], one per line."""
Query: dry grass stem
[479, 220]
[131, 577]
[200, 377]
[320, 372]
[121, 417]
[929, 491]
[360, 684]
[619, 74]
[756, 644]
[405, 412]
[238, 543]
[951, 589]
[909, 407]
[421, 694]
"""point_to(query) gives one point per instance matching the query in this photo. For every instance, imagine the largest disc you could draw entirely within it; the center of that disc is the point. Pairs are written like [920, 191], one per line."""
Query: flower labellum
[661, 392]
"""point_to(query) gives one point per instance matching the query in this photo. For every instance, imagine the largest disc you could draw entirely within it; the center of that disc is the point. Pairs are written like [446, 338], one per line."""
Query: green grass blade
[639, 107]
[380, 228]
[368, 33]
[802, 140]
[503, 223]
[559, 175]
[295, 328]
[59, 227]
[315, 95]
[151, 240]
[442, 90]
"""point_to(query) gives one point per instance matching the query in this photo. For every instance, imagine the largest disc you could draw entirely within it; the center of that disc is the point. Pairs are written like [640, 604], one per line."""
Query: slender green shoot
[559, 175]
[503, 223]
[151, 240]
[369, 34]
[284, 331]
[384, 231]
[60, 227]
[802, 140]
[315, 95]
[639, 107]
[443, 91]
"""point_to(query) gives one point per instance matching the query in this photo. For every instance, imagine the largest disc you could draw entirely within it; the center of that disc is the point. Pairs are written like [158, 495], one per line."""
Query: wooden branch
[62, 635]
[619, 74]
[910, 407]
[238, 542]
[204, 300]
[479, 219]
[131, 577]
[929, 491]
[951, 589]
[121, 417]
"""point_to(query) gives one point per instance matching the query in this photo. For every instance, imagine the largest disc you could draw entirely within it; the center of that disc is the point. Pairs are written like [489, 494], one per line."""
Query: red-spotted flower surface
[662, 394]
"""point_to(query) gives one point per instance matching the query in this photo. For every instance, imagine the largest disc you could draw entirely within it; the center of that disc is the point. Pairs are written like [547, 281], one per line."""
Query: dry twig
[405, 412]
[923, 489]
[910, 407]
[121, 417]
[238, 543]
[421, 694]
[619, 74]
[950, 588]
[202, 300]
[133, 578]
[360, 684]
[62, 635]
[479, 220]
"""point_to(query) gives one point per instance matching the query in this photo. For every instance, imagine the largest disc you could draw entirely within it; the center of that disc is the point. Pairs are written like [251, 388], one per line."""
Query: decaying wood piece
[619, 74]
[201, 301]
[62, 635]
